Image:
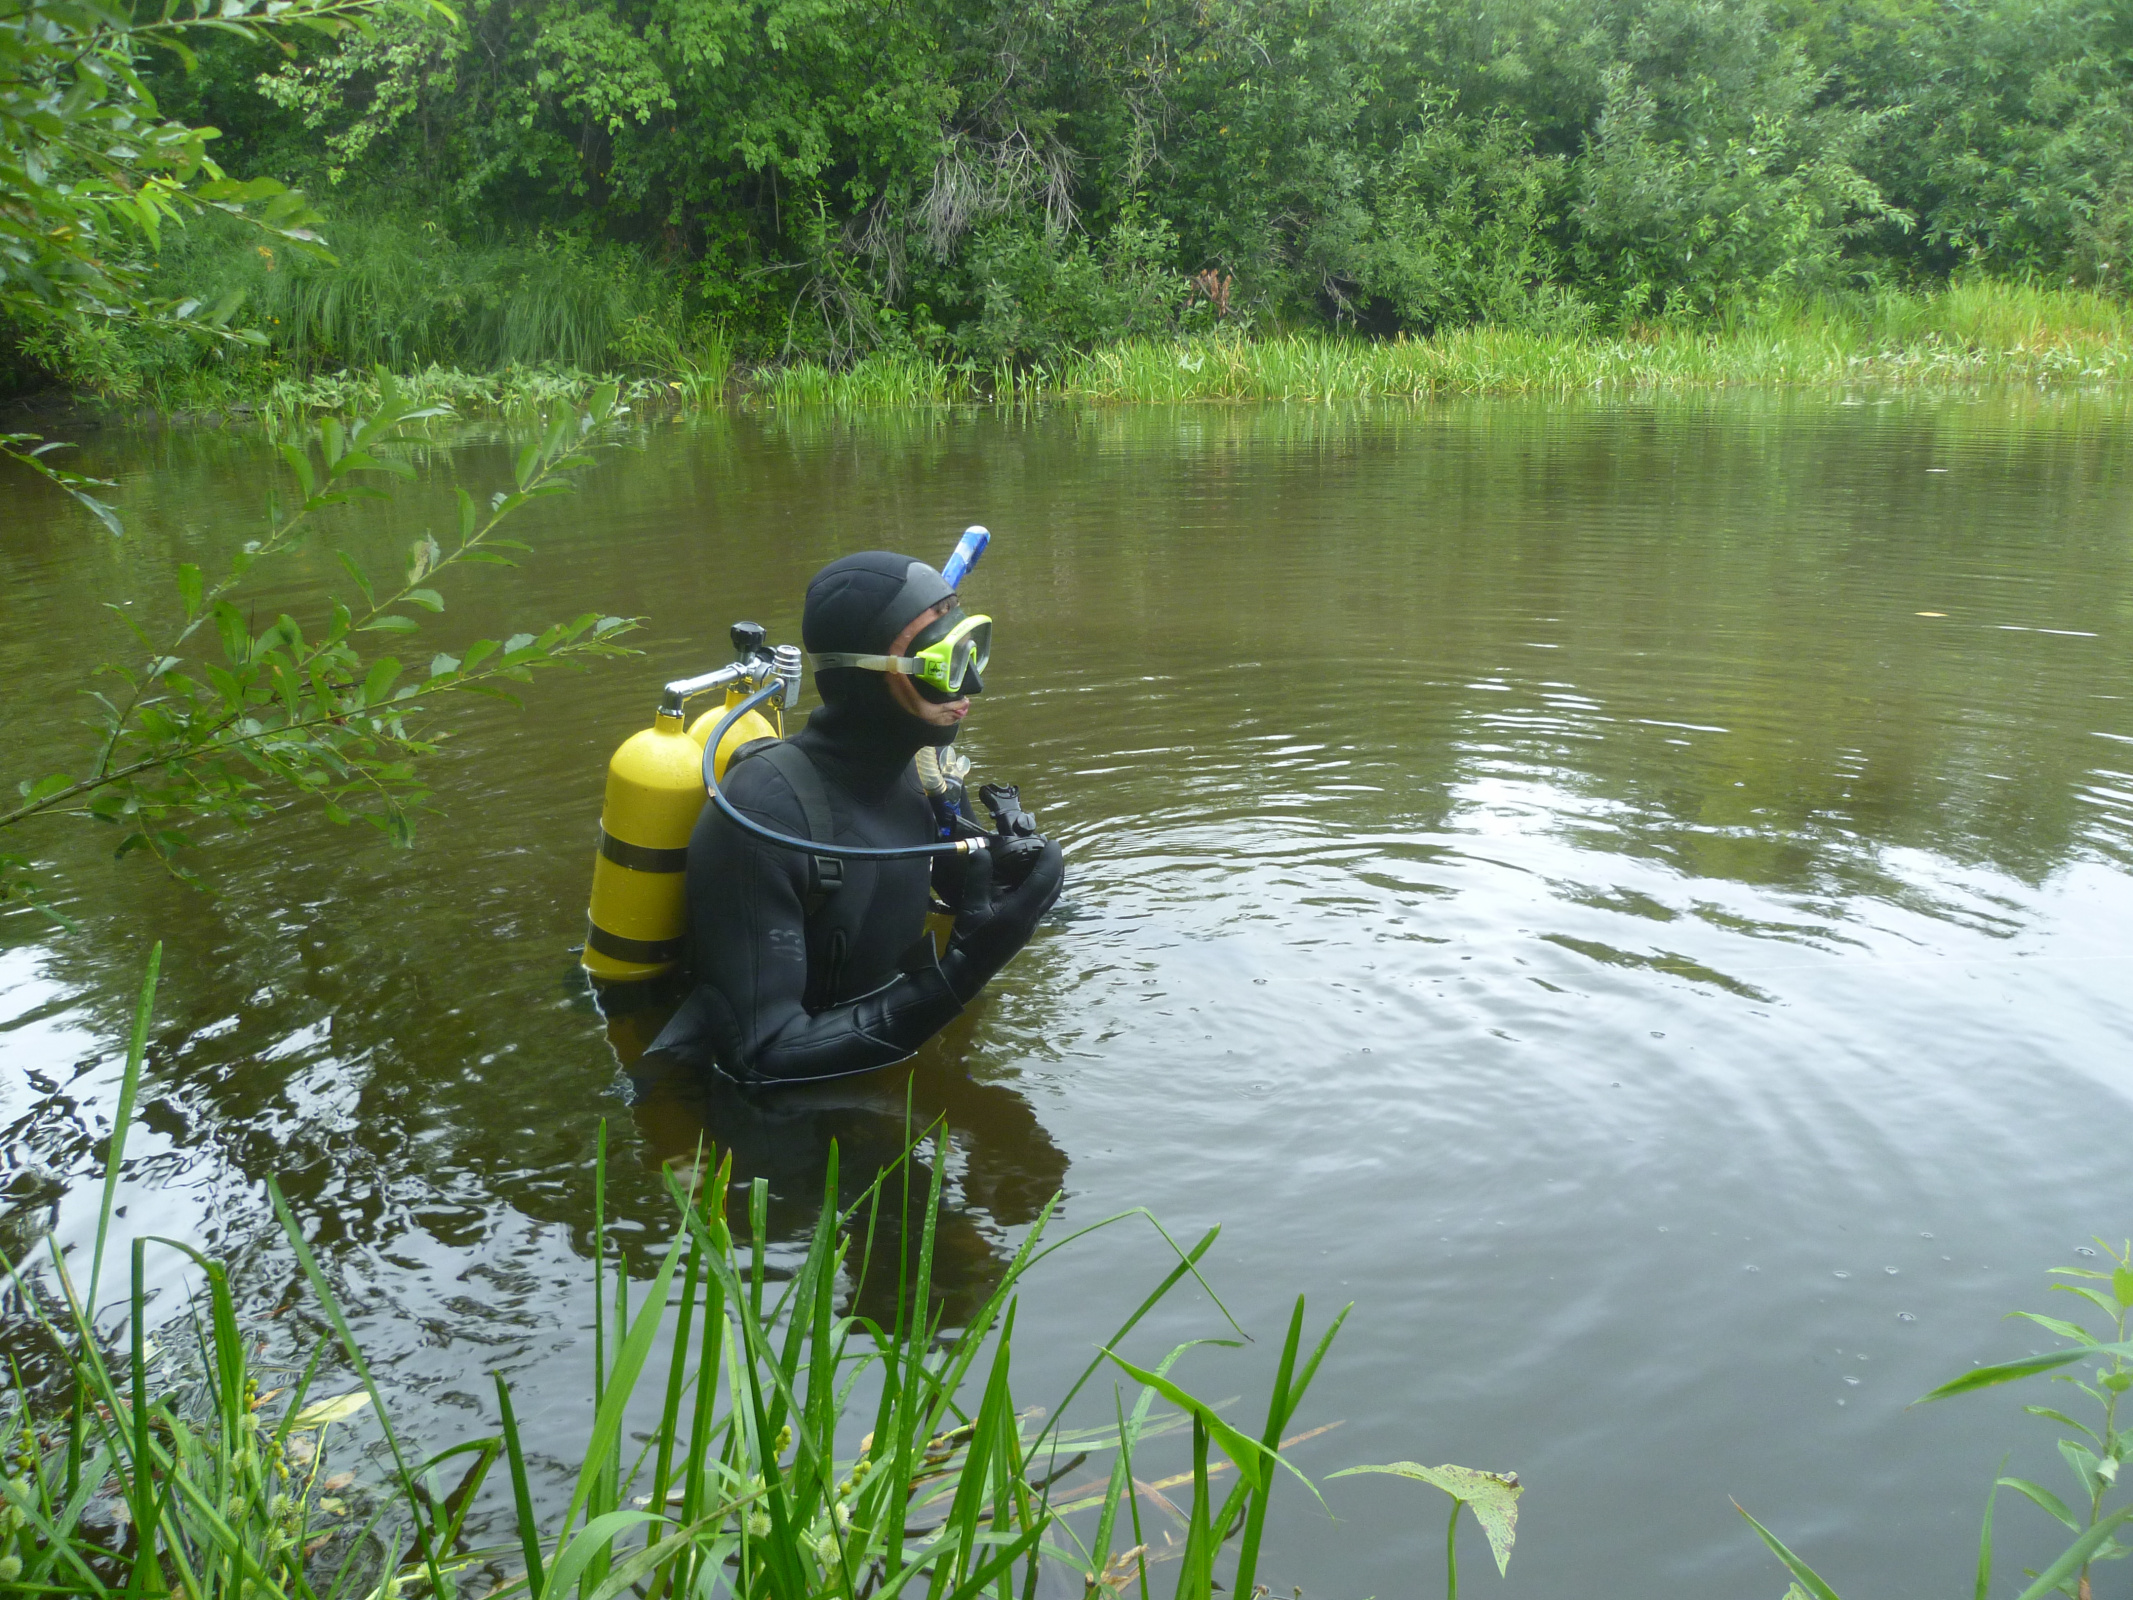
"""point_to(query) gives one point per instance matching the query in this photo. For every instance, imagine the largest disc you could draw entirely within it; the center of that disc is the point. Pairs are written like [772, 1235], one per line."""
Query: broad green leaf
[189, 588]
[2082, 1461]
[427, 599]
[380, 678]
[440, 664]
[516, 643]
[50, 784]
[1492, 1495]
[2122, 1286]
[389, 624]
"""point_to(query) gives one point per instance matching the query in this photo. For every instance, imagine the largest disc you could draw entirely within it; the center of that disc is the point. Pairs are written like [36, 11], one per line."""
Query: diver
[808, 967]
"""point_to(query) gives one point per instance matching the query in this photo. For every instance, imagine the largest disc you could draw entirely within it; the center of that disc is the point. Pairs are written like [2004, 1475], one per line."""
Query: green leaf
[2065, 1330]
[2060, 1416]
[50, 784]
[2090, 1295]
[2044, 1498]
[427, 599]
[589, 1541]
[380, 678]
[478, 652]
[1809, 1579]
[2122, 1286]
[440, 664]
[2028, 1366]
[189, 588]
[529, 459]
[468, 514]
[1247, 1453]
[389, 624]
[236, 637]
[362, 578]
[514, 644]
[1492, 1495]
[2084, 1463]
[2075, 1556]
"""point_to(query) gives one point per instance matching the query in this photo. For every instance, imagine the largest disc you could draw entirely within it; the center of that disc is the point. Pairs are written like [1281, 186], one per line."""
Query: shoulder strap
[825, 874]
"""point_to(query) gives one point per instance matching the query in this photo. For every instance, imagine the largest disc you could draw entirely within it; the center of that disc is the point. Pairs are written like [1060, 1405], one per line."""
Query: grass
[1974, 332]
[507, 325]
[730, 1468]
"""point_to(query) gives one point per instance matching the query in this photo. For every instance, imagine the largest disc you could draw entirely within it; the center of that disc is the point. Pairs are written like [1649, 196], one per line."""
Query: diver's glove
[993, 922]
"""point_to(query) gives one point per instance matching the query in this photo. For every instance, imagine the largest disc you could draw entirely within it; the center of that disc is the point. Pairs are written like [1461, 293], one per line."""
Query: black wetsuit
[781, 995]
[793, 983]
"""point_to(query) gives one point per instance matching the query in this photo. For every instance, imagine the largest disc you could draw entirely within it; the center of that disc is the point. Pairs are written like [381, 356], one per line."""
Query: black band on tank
[650, 952]
[641, 857]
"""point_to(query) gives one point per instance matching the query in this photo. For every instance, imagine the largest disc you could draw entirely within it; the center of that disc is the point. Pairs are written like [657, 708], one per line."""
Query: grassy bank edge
[1975, 332]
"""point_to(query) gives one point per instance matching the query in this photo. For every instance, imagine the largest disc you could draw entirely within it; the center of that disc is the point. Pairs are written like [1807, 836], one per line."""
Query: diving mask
[946, 658]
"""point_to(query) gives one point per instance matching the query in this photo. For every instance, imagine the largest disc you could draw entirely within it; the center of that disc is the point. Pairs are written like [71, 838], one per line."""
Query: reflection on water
[1005, 1166]
[1572, 879]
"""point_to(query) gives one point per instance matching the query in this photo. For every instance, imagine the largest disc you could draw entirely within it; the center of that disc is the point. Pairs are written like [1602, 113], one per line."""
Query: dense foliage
[1001, 181]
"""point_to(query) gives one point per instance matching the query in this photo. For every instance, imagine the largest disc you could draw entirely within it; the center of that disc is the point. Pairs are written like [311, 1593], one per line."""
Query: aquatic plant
[150, 1476]
[2094, 1451]
[185, 738]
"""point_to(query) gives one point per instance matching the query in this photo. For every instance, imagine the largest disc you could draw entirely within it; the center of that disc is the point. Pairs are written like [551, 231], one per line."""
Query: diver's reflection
[1001, 1164]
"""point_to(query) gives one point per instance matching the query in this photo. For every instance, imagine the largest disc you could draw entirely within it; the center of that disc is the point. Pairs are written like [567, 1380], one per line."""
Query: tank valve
[787, 657]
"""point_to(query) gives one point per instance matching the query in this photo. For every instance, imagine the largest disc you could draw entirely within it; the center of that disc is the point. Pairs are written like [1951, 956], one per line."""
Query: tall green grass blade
[521, 1492]
[332, 1307]
[597, 1537]
[1984, 1543]
[630, 1354]
[677, 1371]
[1246, 1454]
[1806, 1576]
[1280, 1408]
[122, 1119]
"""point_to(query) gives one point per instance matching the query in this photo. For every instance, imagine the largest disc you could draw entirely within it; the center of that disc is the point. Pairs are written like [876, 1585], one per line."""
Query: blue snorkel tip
[967, 551]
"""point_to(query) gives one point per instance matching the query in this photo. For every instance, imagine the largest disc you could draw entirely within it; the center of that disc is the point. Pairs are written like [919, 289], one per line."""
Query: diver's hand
[991, 922]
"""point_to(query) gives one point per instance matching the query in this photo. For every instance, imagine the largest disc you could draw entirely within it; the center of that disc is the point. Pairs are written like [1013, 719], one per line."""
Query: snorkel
[941, 770]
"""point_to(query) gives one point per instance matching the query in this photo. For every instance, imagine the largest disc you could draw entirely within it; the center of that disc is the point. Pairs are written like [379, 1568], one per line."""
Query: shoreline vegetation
[1982, 331]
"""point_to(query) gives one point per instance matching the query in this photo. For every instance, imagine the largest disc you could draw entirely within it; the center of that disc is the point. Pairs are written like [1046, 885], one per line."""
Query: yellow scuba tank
[655, 790]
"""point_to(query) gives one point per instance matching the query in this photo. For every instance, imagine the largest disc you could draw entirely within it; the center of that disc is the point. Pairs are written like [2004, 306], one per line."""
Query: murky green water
[1534, 872]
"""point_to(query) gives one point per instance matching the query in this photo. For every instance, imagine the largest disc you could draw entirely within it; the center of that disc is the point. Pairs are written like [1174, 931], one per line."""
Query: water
[1633, 896]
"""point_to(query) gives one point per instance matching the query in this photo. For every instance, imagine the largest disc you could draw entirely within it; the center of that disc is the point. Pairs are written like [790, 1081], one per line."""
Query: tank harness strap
[825, 874]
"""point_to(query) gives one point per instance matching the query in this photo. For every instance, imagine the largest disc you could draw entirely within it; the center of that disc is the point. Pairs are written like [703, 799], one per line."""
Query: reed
[731, 1468]
[1983, 331]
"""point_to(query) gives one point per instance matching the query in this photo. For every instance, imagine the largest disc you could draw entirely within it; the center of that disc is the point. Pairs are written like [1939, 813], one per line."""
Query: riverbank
[1982, 331]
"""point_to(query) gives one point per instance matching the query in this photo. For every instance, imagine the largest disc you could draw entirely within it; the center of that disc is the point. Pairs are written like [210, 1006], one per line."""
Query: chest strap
[825, 874]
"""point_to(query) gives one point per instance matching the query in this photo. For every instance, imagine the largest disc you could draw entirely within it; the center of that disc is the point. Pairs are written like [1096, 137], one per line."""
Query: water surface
[1634, 896]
